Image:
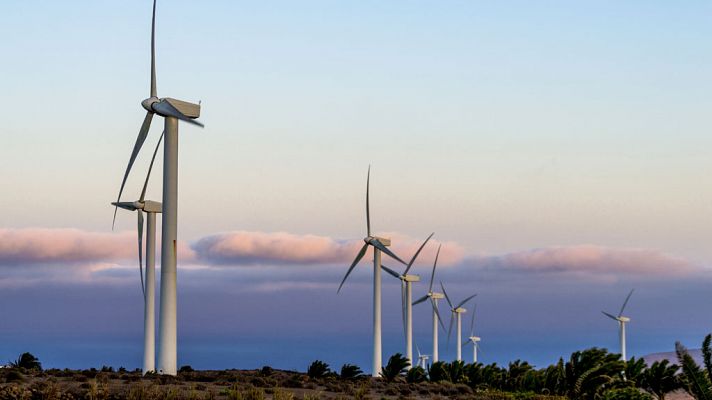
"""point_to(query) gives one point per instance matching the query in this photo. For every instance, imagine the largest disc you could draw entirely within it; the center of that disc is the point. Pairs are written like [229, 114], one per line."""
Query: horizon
[558, 152]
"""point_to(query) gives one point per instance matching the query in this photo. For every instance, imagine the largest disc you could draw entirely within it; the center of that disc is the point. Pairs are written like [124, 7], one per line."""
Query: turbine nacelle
[384, 241]
[436, 295]
[474, 338]
[623, 319]
[146, 206]
[459, 310]
[410, 278]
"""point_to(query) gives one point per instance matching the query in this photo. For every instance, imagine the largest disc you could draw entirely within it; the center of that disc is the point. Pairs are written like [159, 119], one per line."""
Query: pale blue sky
[503, 126]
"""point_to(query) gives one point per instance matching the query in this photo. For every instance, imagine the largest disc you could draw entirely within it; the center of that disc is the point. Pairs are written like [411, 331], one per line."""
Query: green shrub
[437, 372]
[318, 369]
[350, 371]
[415, 375]
[27, 361]
[396, 366]
[628, 393]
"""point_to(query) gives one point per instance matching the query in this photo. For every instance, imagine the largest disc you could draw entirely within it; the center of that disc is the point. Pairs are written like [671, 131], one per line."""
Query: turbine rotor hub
[149, 102]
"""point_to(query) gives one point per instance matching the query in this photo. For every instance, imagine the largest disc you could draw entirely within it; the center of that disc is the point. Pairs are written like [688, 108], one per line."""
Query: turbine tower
[379, 245]
[172, 111]
[148, 284]
[457, 312]
[621, 324]
[434, 297]
[473, 339]
[406, 299]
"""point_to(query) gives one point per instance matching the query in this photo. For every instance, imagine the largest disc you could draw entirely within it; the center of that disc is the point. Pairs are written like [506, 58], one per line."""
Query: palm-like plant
[661, 378]
[694, 379]
[350, 371]
[396, 366]
[590, 372]
[634, 370]
[415, 375]
[27, 361]
[437, 372]
[318, 369]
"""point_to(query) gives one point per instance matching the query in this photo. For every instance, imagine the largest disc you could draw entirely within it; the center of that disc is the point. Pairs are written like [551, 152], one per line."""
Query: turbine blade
[153, 51]
[417, 349]
[390, 271]
[368, 207]
[467, 342]
[472, 323]
[610, 316]
[625, 303]
[420, 300]
[126, 205]
[377, 244]
[435, 264]
[165, 108]
[462, 303]
[449, 330]
[150, 167]
[142, 133]
[437, 312]
[358, 258]
[412, 260]
[140, 251]
[446, 296]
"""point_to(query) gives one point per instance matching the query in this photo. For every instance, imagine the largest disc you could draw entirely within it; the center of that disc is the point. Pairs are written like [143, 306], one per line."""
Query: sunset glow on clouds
[27, 254]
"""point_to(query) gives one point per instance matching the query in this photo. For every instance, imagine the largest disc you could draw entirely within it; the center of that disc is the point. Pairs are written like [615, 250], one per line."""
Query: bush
[186, 368]
[14, 376]
[628, 393]
[395, 367]
[415, 375]
[27, 361]
[437, 372]
[318, 369]
[350, 371]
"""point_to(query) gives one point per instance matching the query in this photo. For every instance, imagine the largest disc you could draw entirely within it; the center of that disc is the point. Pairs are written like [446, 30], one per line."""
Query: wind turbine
[171, 110]
[457, 312]
[379, 245]
[434, 297]
[148, 286]
[422, 358]
[621, 324]
[406, 299]
[473, 339]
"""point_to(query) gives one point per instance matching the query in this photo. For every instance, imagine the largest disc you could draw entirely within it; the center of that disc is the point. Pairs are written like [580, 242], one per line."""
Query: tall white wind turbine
[406, 301]
[475, 340]
[457, 312]
[621, 324]
[434, 297]
[379, 245]
[148, 283]
[172, 111]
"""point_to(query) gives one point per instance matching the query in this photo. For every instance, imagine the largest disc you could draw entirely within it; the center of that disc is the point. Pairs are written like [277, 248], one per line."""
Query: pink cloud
[591, 259]
[70, 246]
[241, 247]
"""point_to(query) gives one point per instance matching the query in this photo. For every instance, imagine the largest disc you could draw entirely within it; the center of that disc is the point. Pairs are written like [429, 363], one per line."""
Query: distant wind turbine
[379, 245]
[422, 358]
[621, 324]
[473, 339]
[406, 299]
[457, 312]
[151, 208]
[434, 297]
[172, 111]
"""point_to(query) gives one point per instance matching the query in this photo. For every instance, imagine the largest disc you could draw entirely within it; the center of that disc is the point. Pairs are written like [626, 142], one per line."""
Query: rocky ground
[231, 385]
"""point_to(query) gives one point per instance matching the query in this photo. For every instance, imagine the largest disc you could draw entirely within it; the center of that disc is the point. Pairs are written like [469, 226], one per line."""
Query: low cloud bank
[590, 259]
[281, 248]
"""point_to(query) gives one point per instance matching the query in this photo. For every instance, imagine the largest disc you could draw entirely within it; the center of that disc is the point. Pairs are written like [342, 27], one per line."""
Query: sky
[558, 150]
